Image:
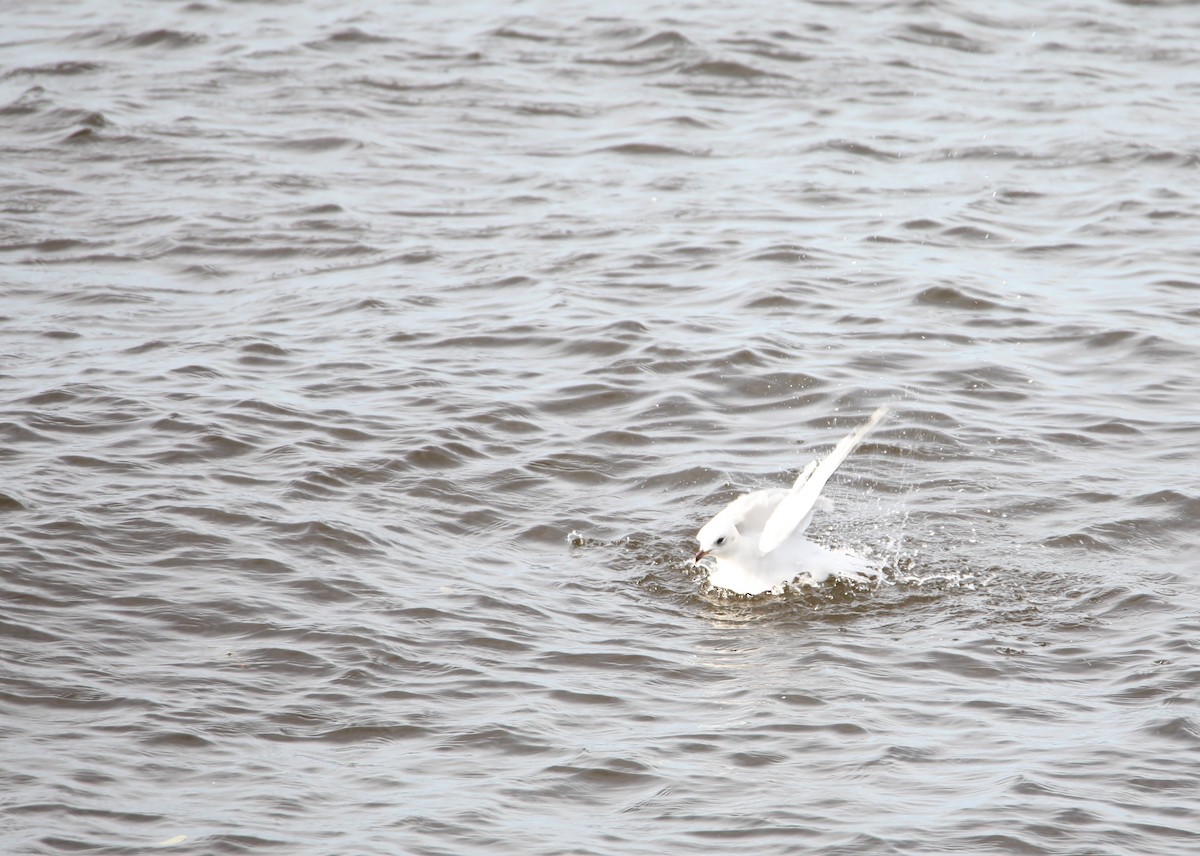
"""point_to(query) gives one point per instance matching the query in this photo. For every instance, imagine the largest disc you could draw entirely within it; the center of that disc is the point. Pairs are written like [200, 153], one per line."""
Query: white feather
[794, 512]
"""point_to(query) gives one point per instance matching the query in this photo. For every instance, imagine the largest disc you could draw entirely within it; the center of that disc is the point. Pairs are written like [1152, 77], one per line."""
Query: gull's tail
[796, 508]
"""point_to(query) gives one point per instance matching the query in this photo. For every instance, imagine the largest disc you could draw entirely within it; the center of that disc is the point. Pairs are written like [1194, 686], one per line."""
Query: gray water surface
[365, 371]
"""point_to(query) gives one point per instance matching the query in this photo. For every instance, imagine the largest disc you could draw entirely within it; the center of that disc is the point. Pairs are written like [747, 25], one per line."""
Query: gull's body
[758, 539]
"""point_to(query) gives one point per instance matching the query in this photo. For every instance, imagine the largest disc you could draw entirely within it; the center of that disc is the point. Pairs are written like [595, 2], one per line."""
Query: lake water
[366, 370]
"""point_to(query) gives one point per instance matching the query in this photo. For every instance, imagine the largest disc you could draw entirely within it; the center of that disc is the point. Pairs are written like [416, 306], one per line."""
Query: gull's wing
[749, 513]
[804, 474]
[793, 511]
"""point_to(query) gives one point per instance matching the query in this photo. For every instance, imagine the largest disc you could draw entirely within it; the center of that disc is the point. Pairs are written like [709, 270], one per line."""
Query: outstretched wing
[794, 511]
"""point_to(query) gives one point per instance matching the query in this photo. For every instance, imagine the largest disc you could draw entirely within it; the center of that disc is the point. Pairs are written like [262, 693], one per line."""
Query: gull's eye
[720, 541]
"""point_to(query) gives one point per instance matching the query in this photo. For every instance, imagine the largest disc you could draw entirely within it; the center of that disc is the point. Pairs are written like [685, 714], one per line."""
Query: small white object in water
[758, 539]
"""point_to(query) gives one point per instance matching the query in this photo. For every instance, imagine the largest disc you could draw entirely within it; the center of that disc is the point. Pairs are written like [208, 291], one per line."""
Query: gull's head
[717, 541]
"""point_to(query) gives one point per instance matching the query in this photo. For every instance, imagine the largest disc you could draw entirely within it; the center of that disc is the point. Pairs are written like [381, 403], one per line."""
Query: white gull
[758, 539]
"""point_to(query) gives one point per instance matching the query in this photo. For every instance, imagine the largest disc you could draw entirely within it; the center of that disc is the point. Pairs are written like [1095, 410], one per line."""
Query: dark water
[365, 372]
